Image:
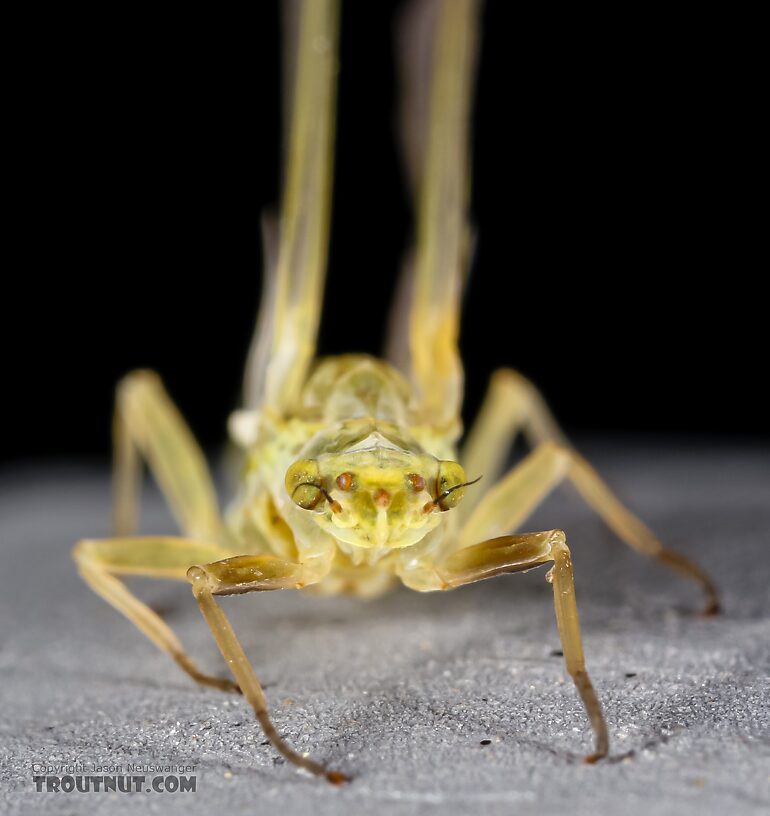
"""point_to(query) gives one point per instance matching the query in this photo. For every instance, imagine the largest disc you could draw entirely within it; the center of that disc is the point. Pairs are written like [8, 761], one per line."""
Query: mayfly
[353, 480]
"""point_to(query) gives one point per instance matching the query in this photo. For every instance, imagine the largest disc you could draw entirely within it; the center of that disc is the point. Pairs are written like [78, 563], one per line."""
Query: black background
[615, 195]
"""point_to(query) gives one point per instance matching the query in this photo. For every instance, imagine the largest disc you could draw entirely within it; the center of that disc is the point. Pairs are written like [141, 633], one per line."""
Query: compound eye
[344, 481]
[303, 484]
[307, 496]
[448, 484]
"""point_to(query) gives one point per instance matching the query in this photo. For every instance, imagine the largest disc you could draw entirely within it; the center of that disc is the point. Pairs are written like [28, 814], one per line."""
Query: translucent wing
[438, 58]
[296, 245]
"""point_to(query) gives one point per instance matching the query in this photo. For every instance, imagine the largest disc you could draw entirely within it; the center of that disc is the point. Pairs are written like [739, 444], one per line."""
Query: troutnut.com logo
[93, 777]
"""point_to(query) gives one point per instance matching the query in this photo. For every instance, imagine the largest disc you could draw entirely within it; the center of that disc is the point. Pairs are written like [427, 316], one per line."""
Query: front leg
[517, 554]
[233, 576]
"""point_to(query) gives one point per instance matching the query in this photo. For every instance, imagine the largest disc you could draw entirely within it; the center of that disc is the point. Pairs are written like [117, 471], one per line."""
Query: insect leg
[514, 497]
[235, 576]
[512, 404]
[99, 562]
[516, 554]
[148, 423]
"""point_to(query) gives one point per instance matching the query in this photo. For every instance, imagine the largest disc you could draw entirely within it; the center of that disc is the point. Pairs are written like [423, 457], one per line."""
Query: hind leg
[508, 504]
[514, 404]
[147, 425]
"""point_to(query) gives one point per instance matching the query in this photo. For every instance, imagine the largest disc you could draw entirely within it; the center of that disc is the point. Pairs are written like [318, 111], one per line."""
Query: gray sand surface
[448, 703]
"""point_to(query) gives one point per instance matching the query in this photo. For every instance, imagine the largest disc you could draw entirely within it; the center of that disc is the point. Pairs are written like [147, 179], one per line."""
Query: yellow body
[353, 417]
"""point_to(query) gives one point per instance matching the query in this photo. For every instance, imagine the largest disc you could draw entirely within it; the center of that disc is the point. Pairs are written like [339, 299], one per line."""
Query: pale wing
[284, 342]
[436, 149]
[415, 38]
